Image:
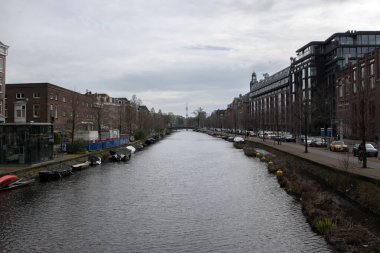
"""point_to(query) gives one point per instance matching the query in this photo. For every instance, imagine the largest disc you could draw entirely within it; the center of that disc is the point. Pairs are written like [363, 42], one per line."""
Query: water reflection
[188, 193]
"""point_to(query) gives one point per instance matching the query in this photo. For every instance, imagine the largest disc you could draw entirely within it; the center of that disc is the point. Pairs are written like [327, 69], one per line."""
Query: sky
[168, 53]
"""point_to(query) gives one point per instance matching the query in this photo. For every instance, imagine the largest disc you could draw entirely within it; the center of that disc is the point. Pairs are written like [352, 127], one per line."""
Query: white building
[3, 55]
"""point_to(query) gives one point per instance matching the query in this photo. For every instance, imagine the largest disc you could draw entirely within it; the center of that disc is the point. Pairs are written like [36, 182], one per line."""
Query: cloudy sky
[167, 52]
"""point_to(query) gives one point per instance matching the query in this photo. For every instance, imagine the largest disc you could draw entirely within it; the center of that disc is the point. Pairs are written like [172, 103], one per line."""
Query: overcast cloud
[167, 52]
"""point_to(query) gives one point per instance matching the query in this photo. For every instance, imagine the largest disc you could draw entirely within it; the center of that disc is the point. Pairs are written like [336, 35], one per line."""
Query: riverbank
[338, 203]
[61, 160]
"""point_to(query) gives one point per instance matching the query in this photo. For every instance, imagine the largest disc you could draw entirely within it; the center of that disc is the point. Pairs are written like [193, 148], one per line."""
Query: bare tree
[73, 115]
[200, 115]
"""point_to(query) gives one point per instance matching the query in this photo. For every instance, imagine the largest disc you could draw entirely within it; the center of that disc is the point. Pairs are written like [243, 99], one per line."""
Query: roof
[2, 44]
[348, 33]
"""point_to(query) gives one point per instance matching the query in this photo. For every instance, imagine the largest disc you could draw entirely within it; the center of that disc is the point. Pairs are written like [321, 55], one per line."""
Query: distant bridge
[181, 127]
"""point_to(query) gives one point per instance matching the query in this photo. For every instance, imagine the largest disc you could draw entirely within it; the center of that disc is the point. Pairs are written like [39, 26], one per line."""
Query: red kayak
[7, 180]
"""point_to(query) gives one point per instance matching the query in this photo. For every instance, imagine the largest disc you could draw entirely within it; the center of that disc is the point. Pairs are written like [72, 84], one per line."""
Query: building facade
[269, 101]
[302, 98]
[48, 103]
[357, 93]
[3, 58]
[68, 111]
[313, 77]
[26, 143]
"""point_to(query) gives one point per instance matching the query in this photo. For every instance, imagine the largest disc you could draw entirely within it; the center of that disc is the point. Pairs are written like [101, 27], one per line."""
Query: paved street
[327, 157]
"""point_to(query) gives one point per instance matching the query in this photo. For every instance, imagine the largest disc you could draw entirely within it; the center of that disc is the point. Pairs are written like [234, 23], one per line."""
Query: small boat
[17, 184]
[132, 149]
[81, 166]
[94, 160]
[139, 147]
[239, 139]
[149, 141]
[55, 174]
[116, 157]
[7, 179]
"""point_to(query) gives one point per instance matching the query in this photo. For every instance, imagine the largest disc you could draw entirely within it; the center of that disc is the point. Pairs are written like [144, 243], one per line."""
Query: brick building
[357, 96]
[49, 103]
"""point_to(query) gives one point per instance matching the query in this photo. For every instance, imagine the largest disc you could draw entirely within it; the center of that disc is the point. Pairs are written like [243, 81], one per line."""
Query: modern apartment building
[3, 56]
[302, 97]
[313, 77]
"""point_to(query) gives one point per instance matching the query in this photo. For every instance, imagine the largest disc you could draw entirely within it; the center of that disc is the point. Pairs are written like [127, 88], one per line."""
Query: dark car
[289, 138]
[318, 142]
[369, 148]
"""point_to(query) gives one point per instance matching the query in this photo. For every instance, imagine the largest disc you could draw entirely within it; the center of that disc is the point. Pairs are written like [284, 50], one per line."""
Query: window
[371, 70]
[364, 39]
[377, 39]
[371, 39]
[51, 96]
[56, 97]
[36, 111]
[340, 90]
[36, 95]
[20, 95]
[1, 64]
[64, 99]
[56, 112]
[372, 82]
[20, 111]
[312, 71]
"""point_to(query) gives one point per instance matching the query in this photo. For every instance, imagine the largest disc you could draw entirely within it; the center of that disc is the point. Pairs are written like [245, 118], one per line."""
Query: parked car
[338, 146]
[289, 138]
[318, 142]
[369, 148]
[308, 140]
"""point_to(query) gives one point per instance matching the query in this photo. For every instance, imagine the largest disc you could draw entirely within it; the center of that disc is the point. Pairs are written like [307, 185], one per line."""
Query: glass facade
[26, 143]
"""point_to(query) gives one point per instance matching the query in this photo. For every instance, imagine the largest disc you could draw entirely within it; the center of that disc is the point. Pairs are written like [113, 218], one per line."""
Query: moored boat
[116, 157]
[7, 179]
[81, 166]
[19, 183]
[94, 160]
[131, 148]
[47, 175]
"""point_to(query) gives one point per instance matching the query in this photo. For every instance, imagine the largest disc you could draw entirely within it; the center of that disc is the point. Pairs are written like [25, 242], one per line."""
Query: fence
[107, 144]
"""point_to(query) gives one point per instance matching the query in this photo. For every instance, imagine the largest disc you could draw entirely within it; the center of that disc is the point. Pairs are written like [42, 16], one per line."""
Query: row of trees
[128, 117]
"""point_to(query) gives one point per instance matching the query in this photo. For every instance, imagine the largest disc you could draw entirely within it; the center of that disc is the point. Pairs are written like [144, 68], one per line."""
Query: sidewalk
[326, 157]
[18, 168]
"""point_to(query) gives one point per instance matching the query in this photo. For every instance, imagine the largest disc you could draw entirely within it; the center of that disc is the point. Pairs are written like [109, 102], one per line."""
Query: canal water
[188, 193]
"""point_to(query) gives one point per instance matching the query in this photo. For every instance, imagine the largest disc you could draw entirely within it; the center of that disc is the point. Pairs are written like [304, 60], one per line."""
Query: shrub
[140, 135]
[324, 225]
[77, 146]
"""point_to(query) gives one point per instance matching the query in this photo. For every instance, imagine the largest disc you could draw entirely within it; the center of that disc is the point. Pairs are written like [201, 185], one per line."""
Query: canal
[188, 193]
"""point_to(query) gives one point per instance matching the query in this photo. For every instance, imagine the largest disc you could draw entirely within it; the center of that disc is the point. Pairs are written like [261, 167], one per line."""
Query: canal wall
[341, 206]
[360, 189]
